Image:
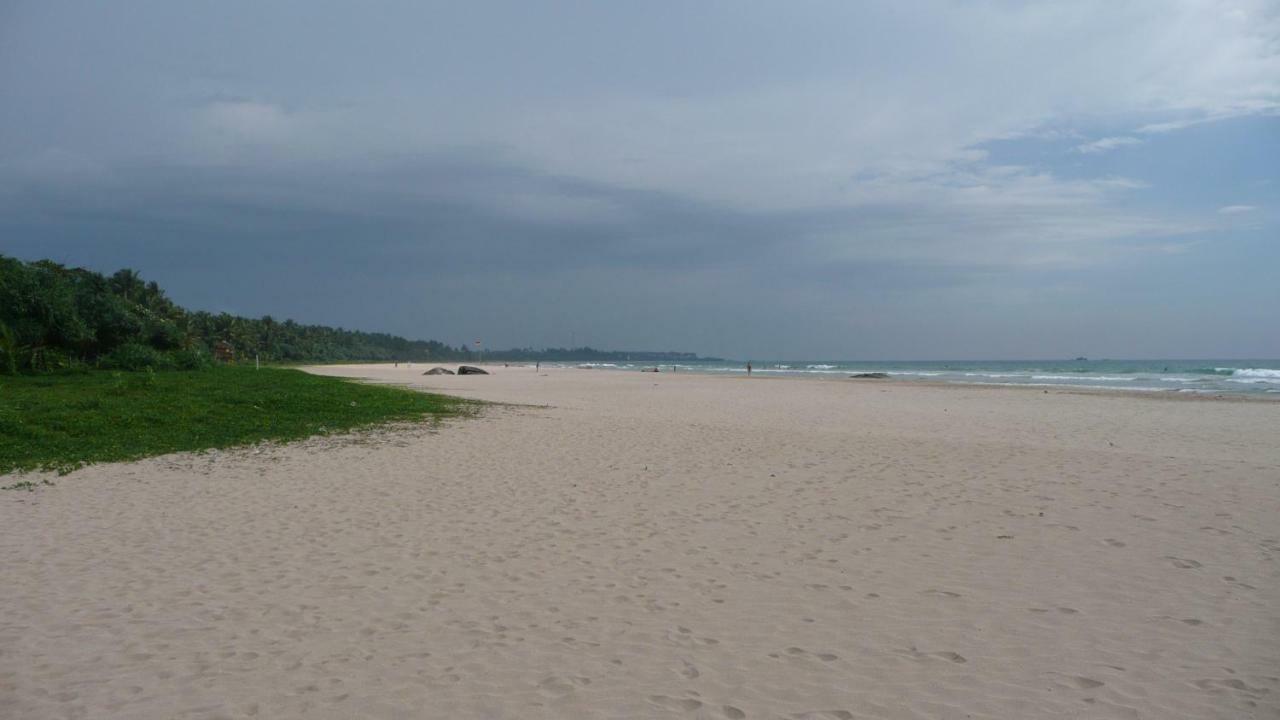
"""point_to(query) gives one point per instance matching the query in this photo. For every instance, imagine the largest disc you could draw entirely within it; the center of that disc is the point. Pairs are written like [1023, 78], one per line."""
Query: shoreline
[1042, 388]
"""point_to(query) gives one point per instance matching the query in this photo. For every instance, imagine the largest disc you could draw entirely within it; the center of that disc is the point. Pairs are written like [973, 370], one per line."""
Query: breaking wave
[1256, 373]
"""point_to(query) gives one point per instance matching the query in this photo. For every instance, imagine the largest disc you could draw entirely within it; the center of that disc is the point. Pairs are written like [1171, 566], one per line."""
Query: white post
[256, 366]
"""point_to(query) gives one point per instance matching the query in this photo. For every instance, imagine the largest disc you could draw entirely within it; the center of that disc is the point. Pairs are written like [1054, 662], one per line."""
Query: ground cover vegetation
[62, 421]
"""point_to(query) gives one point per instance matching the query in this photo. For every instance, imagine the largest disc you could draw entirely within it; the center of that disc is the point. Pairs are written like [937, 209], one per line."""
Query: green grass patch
[62, 422]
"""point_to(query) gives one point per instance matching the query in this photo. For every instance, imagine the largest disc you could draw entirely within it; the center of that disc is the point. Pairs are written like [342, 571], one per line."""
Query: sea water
[1212, 377]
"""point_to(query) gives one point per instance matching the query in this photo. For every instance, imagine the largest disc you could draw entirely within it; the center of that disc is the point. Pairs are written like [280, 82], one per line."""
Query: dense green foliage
[53, 317]
[64, 421]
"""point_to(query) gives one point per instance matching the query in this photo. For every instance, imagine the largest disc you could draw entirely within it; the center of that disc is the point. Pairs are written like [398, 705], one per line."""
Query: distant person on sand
[748, 368]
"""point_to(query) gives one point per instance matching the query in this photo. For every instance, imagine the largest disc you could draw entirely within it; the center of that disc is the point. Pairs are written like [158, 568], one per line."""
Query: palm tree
[8, 349]
[128, 284]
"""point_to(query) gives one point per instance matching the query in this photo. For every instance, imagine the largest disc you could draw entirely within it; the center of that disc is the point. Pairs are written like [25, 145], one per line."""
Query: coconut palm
[128, 284]
[8, 350]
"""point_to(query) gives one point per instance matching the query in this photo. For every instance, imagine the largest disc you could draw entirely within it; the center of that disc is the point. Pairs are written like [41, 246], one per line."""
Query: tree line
[54, 318]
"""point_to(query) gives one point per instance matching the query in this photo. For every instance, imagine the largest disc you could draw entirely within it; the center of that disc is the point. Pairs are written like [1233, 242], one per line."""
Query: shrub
[191, 360]
[164, 335]
[48, 359]
[133, 356]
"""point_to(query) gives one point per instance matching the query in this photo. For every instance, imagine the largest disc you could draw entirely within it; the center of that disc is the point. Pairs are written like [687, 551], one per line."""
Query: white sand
[670, 546]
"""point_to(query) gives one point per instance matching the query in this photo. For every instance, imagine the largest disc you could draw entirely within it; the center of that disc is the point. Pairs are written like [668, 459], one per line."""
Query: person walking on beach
[748, 368]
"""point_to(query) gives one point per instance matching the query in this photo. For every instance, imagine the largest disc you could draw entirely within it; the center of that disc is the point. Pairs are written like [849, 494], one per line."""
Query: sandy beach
[638, 545]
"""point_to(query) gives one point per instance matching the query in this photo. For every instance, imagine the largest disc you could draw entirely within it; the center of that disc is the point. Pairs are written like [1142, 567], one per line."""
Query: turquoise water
[1213, 377]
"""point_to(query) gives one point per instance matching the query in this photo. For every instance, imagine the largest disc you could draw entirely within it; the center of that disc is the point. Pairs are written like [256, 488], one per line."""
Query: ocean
[1211, 377]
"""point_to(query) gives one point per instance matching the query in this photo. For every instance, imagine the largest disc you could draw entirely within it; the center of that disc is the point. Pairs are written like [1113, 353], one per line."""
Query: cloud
[710, 147]
[247, 119]
[1235, 209]
[1107, 144]
[475, 210]
[54, 165]
[744, 106]
[1264, 108]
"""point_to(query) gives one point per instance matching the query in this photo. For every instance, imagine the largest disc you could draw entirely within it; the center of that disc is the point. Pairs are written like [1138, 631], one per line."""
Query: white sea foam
[996, 375]
[786, 370]
[1227, 380]
[1099, 378]
[1256, 373]
[1069, 387]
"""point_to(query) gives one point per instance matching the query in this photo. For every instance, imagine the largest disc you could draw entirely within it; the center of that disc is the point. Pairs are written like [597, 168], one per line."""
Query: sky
[790, 180]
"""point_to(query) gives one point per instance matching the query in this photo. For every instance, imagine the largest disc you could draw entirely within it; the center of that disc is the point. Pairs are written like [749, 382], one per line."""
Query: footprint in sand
[560, 686]
[1082, 683]
[1063, 610]
[670, 703]
[824, 715]
[1182, 563]
[684, 636]
[796, 652]
[1237, 583]
[947, 655]
[1214, 685]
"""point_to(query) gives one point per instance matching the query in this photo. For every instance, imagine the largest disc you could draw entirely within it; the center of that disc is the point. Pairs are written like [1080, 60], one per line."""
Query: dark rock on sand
[471, 370]
[871, 376]
[438, 371]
